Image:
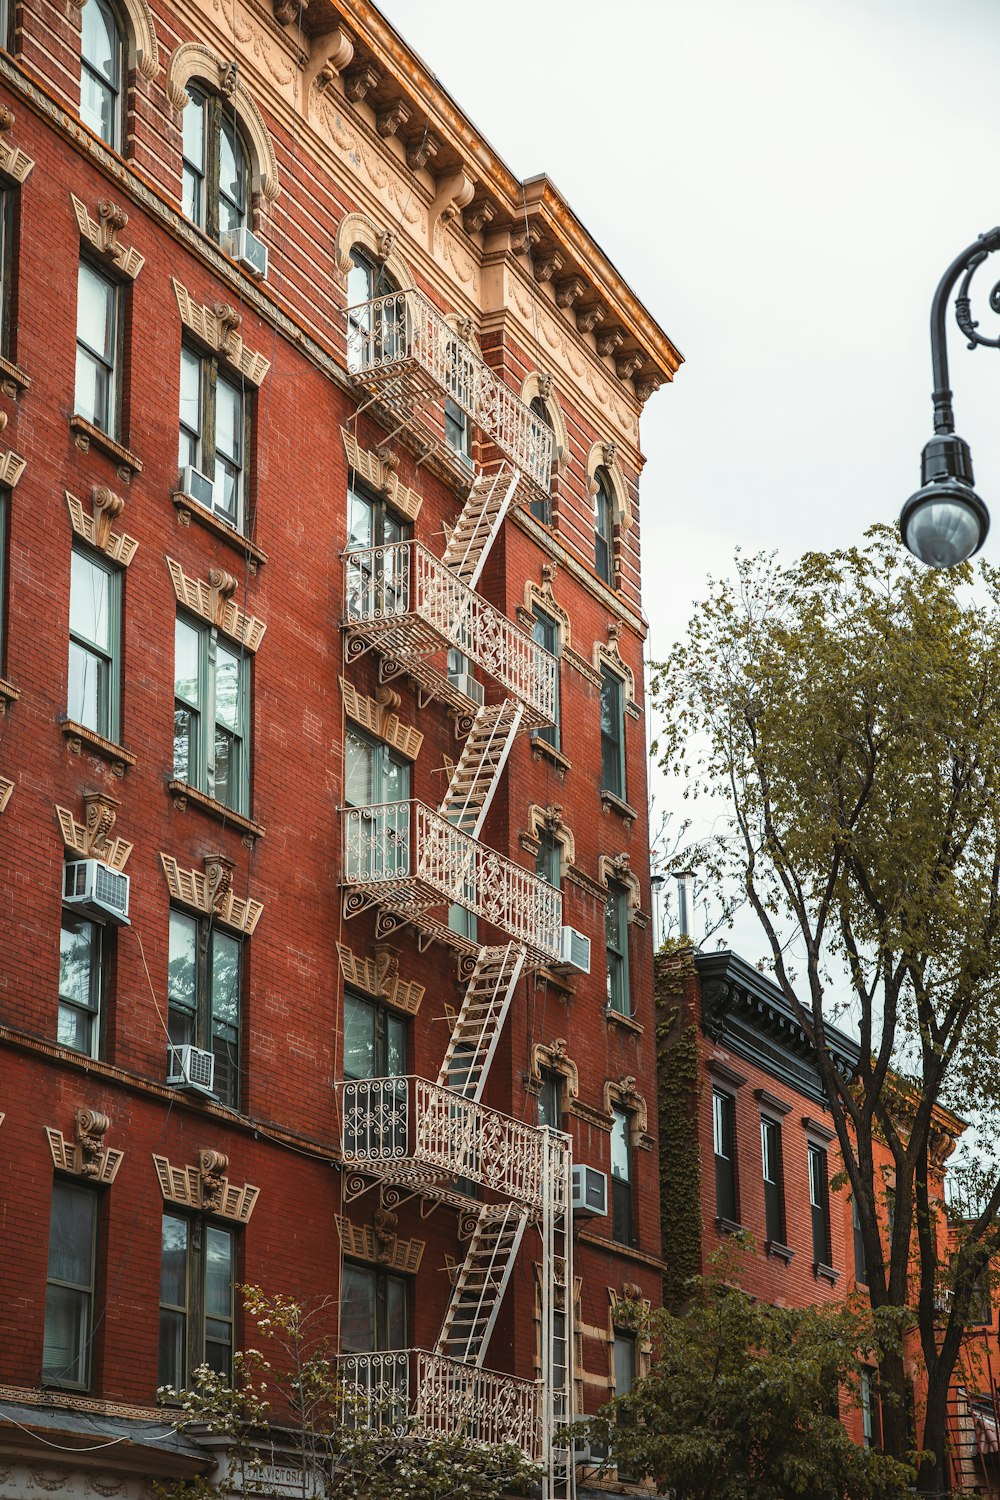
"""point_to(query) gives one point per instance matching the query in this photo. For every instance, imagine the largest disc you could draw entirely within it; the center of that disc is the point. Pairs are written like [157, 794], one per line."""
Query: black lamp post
[945, 522]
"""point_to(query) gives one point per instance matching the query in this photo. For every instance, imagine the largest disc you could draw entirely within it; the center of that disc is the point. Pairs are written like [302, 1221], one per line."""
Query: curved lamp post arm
[971, 258]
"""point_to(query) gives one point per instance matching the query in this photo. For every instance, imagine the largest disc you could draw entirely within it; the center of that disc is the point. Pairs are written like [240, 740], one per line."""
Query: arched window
[102, 69]
[540, 505]
[216, 190]
[369, 342]
[604, 512]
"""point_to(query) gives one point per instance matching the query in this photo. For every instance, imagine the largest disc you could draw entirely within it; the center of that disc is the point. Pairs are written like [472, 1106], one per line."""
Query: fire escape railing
[407, 603]
[403, 349]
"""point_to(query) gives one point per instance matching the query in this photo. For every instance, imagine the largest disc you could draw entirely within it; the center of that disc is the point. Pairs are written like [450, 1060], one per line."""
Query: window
[774, 1185]
[980, 1304]
[81, 983]
[819, 1204]
[625, 1373]
[548, 860]
[871, 1408]
[369, 342]
[374, 1040]
[860, 1264]
[69, 1292]
[375, 781]
[94, 637]
[622, 1216]
[203, 992]
[373, 1319]
[724, 1138]
[196, 1299]
[550, 1100]
[458, 430]
[612, 733]
[102, 59]
[540, 505]
[616, 949]
[98, 341]
[214, 435]
[211, 715]
[8, 321]
[215, 181]
[4, 552]
[545, 633]
[604, 510]
[376, 582]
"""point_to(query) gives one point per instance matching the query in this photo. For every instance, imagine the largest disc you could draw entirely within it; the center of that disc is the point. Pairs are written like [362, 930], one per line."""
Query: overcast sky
[783, 183]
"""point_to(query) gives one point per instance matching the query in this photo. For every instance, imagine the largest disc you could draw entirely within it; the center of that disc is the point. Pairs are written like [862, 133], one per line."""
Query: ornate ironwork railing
[419, 859]
[413, 1123]
[390, 337]
[430, 1395]
[383, 586]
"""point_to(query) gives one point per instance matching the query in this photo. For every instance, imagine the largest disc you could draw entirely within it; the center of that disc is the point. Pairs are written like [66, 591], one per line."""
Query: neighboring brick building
[198, 693]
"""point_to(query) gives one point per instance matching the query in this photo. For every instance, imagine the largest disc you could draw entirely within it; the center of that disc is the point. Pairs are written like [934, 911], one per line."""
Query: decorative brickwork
[379, 1244]
[216, 327]
[610, 655]
[102, 235]
[378, 471]
[617, 868]
[91, 839]
[378, 716]
[213, 600]
[87, 1157]
[95, 528]
[210, 891]
[379, 975]
[206, 1187]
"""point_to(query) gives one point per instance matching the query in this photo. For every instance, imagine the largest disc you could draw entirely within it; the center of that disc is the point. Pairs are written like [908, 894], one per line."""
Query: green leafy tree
[289, 1402]
[847, 707]
[741, 1402]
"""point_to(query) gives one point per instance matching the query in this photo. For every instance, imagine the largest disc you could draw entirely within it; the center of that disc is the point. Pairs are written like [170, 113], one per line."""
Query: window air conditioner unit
[467, 684]
[191, 1068]
[197, 485]
[590, 1191]
[244, 246]
[96, 888]
[574, 950]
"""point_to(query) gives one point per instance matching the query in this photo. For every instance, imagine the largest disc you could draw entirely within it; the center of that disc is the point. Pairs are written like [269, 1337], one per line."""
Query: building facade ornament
[14, 163]
[329, 55]
[378, 716]
[543, 386]
[378, 471]
[212, 600]
[421, 150]
[389, 121]
[610, 655]
[206, 1187]
[379, 975]
[95, 528]
[87, 1157]
[216, 327]
[102, 235]
[194, 60]
[6, 791]
[210, 891]
[379, 1243]
[478, 216]
[92, 839]
[360, 81]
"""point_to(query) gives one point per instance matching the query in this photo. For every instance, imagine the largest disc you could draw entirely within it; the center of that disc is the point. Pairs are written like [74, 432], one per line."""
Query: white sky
[782, 182]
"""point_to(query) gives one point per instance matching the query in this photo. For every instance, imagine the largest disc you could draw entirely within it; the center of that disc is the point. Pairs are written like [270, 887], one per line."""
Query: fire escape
[510, 1182]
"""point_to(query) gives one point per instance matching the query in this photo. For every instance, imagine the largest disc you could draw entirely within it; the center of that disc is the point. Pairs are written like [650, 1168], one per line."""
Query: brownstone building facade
[324, 888]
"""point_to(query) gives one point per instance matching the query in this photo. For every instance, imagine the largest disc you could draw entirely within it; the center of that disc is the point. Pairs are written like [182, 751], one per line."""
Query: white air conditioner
[197, 485]
[191, 1068]
[574, 950]
[244, 246]
[97, 889]
[590, 1190]
[467, 684]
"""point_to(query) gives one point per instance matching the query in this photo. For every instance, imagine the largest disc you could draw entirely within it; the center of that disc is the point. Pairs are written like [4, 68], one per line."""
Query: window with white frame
[98, 349]
[69, 1291]
[372, 334]
[216, 179]
[540, 505]
[102, 72]
[214, 434]
[548, 860]
[94, 689]
[377, 789]
[203, 994]
[211, 714]
[82, 983]
[197, 1272]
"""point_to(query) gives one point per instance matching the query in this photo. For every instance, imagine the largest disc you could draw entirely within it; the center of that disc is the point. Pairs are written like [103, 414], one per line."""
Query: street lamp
[946, 522]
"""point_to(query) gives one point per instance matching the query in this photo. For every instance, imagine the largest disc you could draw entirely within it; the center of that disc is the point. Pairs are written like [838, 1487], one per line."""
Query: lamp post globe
[944, 523]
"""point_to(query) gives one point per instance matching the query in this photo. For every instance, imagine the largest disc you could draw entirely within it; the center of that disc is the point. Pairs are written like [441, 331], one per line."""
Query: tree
[741, 1402]
[344, 1437]
[848, 708]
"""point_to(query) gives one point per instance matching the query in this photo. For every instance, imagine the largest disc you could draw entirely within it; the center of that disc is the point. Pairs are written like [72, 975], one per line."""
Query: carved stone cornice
[420, 150]
[569, 290]
[102, 235]
[378, 471]
[212, 599]
[379, 975]
[388, 121]
[361, 81]
[211, 892]
[378, 716]
[91, 838]
[216, 327]
[6, 791]
[88, 1157]
[206, 1187]
[478, 216]
[379, 1244]
[587, 318]
[95, 528]
[14, 163]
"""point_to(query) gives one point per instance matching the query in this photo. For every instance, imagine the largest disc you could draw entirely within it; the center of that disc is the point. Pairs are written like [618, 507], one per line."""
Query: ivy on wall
[678, 1098]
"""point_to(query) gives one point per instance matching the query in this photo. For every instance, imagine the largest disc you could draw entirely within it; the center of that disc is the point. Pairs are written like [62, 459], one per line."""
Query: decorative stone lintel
[379, 1243]
[379, 975]
[818, 1130]
[8, 694]
[206, 1187]
[216, 327]
[13, 380]
[14, 163]
[825, 1273]
[379, 471]
[580, 664]
[210, 891]
[212, 599]
[78, 735]
[542, 750]
[88, 1157]
[95, 528]
[329, 55]
[6, 791]
[779, 1251]
[12, 465]
[378, 716]
[91, 838]
[102, 235]
[86, 434]
[610, 655]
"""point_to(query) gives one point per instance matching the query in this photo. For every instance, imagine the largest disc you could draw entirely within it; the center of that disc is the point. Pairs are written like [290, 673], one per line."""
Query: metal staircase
[477, 774]
[480, 1021]
[479, 524]
[481, 1283]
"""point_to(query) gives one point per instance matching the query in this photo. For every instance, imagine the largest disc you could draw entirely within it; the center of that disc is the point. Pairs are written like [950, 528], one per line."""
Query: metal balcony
[430, 1395]
[405, 602]
[407, 859]
[426, 1139]
[403, 352]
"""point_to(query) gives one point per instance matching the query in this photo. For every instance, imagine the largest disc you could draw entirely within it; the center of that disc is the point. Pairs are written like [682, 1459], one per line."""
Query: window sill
[189, 510]
[8, 694]
[183, 794]
[779, 1251]
[611, 803]
[13, 381]
[78, 735]
[825, 1273]
[542, 750]
[627, 1023]
[85, 433]
[729, 1226]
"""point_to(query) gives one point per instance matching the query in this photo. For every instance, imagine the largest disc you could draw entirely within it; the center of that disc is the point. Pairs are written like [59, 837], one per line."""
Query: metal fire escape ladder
[480, 766]
[556, 1397]
[481, 1283]
[479, 523]
[480, 1020]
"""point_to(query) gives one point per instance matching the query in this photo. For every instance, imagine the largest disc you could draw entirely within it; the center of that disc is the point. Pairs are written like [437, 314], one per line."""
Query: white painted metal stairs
[481, 1283]
[480, 766]
[479, 523]
[480, 1021]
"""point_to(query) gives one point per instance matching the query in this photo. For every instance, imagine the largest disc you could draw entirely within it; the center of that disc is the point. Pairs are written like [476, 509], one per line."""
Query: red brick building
[321, 661]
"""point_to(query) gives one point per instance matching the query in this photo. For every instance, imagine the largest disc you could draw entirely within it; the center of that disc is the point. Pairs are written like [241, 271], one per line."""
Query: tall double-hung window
[216, 179]
[102, 71]
[93, 698]
[376, 789]
[545, 633]
[197, 1272]
[612, 733]
[203, 987]
[69, 1293]
[211, 714]
[99, 321]
[214, 436]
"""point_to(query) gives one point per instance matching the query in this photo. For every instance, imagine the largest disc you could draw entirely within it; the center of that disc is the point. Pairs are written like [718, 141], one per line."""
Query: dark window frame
[112, 419]
[55, 1285]
[772, 1157]
[549, 1099]
[220, 118]
[117, 86]
[192, 1020]
[98, 983]
[604, 528]
[109, 659]
[819, 1203]
[546, 632]
[206, 730]
[613, 763]
[725, 1147]
[871, 1409]
[9, 203]
[540, 506]
[548, 860]
[205, 452]
[616, 954]
[193, 1313]
[623, 1220]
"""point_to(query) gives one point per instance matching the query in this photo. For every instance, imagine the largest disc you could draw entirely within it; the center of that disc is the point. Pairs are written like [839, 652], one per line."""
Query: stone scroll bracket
[210, 892]
[212, 599]
[86, 1157]
[95, 528]
[379, 976]
[217, 328]
[92, 839]
[206, 1187]
[101, 234]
